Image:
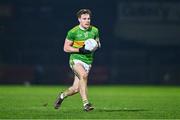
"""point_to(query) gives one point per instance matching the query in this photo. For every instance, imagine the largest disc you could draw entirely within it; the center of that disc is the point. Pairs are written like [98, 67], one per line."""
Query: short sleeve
[70, 36]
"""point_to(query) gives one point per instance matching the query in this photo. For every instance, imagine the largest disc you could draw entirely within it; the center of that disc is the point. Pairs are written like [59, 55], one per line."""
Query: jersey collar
[83, 28]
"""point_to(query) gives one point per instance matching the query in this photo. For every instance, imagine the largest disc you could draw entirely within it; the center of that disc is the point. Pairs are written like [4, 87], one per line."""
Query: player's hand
[82, 50]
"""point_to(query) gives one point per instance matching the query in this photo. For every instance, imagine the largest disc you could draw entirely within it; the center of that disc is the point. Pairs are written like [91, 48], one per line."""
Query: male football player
[80, 58]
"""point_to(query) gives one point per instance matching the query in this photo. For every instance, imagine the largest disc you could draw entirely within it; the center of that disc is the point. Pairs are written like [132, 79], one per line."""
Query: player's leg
[79, 69]
[70, 91]
[73, 89]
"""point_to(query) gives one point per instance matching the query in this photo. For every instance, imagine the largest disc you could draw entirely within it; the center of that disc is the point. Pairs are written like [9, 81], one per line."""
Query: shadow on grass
[120, 110]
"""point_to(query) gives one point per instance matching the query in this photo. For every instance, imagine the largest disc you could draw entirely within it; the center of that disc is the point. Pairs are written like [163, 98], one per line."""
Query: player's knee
[84, 76]
[75, 89]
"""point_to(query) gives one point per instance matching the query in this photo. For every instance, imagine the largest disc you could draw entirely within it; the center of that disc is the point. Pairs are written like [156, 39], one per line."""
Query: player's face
[85, 20]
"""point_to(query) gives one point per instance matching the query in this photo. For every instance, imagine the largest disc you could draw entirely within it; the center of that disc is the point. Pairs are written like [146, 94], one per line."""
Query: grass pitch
[111, 102]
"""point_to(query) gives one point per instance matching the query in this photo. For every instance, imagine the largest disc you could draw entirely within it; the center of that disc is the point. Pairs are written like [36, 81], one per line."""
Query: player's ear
[79, 19]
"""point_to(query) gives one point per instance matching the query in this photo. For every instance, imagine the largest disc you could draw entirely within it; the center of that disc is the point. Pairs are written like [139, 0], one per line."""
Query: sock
[85, 102]
[63, 95]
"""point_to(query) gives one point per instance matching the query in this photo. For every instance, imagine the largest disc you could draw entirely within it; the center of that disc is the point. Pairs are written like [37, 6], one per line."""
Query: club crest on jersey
[93, 34]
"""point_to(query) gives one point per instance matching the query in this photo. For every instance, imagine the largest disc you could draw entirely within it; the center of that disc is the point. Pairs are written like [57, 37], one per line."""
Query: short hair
[83, 11]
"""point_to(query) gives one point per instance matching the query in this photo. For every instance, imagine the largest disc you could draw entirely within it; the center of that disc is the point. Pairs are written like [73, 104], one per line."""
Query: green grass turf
[111, 102]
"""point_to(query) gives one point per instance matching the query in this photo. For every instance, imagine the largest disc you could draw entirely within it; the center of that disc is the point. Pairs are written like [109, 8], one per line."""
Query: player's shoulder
[74, 29]
[94, 28]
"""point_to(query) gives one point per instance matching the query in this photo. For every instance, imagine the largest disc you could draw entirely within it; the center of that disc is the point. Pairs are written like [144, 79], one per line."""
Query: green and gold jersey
[79, 36]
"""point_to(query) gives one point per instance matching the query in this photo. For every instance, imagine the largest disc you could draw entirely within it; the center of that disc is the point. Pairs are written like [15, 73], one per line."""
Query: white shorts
[86, 66]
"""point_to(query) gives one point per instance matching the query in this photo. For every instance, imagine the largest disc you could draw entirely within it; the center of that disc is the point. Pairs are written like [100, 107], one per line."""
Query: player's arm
[97, 38]
[69, 49]
[98, 41]
[68, 46]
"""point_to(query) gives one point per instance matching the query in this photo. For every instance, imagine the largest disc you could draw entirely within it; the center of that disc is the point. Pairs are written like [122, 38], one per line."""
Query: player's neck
[82, 28]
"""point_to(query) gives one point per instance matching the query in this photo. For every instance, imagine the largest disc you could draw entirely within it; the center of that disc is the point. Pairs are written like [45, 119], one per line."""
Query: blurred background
[140, 41]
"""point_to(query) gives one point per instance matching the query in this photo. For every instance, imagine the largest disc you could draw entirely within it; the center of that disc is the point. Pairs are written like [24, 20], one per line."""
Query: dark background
[140, 41]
